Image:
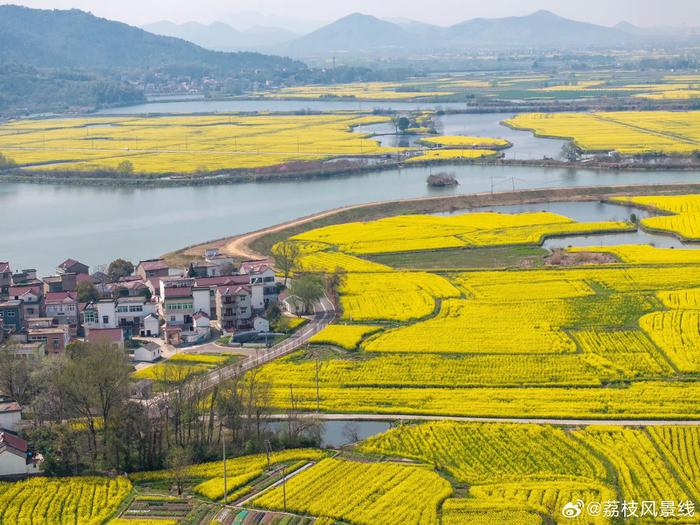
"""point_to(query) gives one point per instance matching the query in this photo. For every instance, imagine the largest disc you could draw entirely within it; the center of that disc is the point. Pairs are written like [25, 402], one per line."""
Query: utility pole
[223, 444]
[513, 179]
[318, 397]
[491, 184]
[284, 489]
[268, 448]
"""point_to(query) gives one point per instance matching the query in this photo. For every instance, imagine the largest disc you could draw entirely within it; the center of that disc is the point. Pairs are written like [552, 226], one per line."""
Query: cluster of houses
[180, 306]
[41, 316]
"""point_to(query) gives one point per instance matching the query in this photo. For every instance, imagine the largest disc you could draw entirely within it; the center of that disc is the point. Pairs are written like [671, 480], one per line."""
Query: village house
[54, 339]
[5, 279]
[66, 282]
[150, 326]
[212, 283]
[233, 307]
[72, 266]
[10, 414]
[12, 316]
[25, 276]
[110, 336]
[32, 297]
[131, 286]
[28, 350]
[63, 308]
[15, 457]
[180, 299]
[152, 268]
[221, 260]
[261, 273]
[202, 269]
[147, 353]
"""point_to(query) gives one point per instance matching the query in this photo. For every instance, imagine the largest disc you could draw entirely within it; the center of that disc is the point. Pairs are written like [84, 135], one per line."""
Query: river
[44, 224]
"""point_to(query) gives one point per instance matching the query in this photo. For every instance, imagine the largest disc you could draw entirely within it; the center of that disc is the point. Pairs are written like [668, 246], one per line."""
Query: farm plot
[643, 473]
[363, 493]
[630, 132]
[344, 336]
[393, 296]
[427, 232]
[684, 220]
[186, 144]
[48, 501]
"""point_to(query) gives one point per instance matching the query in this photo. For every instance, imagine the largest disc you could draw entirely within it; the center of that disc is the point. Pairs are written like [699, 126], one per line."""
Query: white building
[147, 353]
[151, 326]
[14, 460]
[10, 414]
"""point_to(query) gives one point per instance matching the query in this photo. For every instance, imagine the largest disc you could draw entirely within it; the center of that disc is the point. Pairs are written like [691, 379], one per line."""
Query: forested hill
[55, 38]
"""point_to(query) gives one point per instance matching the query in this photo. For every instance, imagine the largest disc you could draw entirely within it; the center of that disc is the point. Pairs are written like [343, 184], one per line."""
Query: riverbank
[257, 244]
[338, 168]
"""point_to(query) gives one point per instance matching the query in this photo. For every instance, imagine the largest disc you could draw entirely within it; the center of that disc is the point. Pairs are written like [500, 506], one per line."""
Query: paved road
[325, 314]
[543, 421]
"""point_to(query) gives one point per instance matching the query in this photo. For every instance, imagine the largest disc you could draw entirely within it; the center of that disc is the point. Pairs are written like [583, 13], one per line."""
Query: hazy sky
[442, 12]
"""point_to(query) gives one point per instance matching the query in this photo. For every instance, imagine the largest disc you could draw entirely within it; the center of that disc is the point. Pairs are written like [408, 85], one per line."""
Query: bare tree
[286, 255]
[179, 460]
[351, 432]
[14, 376]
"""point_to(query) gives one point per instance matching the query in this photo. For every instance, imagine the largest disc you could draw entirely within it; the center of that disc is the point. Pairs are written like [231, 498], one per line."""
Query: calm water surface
[41, 225]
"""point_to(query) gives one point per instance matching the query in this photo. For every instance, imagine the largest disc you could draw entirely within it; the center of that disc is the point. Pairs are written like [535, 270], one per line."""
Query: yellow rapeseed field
[363, 493]
[684, 210]
[452, 154]
[629, 132]
[392, 296]
[358, 91]
[429, 232]
[343, 335]
[644, 254]
[463, 141]
[54, 501]
[186, 144]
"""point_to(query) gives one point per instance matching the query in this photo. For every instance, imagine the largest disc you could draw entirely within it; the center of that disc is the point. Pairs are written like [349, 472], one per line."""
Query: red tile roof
[177, 291]
[60, 297]
[69, 263]
[223, 280]
[154, 264]
[230, 290]
[21, 290]
[13, 441]
[9, 406]
[105, 335]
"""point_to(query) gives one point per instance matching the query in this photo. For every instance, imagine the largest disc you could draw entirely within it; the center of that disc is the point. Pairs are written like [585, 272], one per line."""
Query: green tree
[309, 288]
[6, 162]
[119, 268]
[125, 167]
[87, 292]
[404, 123]
[570, 152]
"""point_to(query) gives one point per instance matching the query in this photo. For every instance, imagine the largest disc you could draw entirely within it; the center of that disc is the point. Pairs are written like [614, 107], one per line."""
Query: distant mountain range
[222, 37]
[542, 29]
[73, 38]
[359, 33]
